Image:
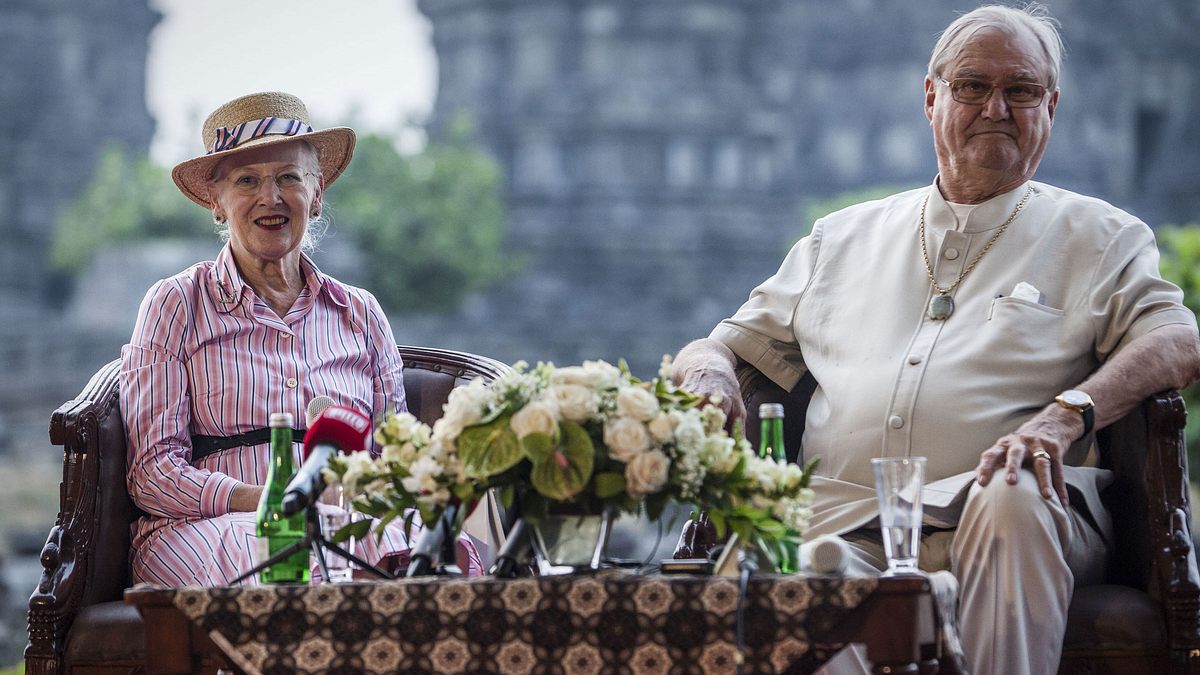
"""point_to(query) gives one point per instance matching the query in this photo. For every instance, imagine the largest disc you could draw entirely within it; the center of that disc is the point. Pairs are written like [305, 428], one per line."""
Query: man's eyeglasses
[973, 91]
[250, 183]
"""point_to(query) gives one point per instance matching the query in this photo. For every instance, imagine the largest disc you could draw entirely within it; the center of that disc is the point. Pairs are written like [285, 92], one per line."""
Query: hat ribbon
[229, 138]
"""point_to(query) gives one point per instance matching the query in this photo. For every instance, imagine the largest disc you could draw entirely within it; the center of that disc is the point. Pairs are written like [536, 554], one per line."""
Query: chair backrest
[430, 374]
[93, 528]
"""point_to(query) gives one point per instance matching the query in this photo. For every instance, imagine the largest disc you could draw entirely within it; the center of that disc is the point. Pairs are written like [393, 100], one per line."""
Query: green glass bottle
[274, 531]
[770, 444]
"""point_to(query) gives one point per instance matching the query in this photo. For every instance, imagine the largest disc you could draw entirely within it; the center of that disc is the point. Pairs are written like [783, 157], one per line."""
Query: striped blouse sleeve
[155, 405]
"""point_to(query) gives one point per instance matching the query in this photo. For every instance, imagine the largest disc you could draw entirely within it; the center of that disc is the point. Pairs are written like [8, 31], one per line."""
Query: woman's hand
[245, 497]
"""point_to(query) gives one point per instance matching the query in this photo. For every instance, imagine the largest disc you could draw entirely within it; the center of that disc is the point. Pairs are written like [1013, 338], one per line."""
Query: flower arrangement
[592, 436]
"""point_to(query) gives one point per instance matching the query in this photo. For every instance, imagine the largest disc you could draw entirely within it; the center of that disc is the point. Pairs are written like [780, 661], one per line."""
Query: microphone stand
[436, 550]
[318, 544]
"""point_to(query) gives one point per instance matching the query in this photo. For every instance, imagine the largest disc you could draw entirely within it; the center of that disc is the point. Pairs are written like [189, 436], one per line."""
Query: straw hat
[253, 121]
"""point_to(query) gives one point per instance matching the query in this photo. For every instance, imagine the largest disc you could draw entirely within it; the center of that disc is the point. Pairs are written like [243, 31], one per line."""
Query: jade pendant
[941, 307]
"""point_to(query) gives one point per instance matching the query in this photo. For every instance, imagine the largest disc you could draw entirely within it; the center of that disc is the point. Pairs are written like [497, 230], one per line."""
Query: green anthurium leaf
[465, 492]
[506, 496]
[357, 529]
[565, 473]
[609, 484]
[743, 528]
[717, 518]
[537, 447]
[488, 449]
[771, 528]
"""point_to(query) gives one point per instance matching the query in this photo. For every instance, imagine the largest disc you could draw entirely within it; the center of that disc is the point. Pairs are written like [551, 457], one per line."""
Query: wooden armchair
[78, 622]
[1145, 618]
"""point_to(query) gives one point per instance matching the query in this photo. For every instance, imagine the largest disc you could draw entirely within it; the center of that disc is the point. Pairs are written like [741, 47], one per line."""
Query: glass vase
[570, 543]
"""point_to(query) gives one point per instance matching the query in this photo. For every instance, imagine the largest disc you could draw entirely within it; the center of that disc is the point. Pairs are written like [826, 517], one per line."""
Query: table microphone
[828, 554]
[335, 429]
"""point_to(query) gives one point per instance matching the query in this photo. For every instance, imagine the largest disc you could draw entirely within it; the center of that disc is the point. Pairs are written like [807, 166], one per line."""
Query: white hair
[1033, 17]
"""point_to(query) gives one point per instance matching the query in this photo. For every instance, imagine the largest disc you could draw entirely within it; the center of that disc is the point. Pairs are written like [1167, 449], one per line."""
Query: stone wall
[659, 155]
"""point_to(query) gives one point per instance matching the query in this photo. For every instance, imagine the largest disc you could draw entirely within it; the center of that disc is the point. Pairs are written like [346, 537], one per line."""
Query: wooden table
[648, 624]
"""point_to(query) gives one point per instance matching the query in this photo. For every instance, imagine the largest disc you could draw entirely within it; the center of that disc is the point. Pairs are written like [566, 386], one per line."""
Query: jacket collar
[984, 217]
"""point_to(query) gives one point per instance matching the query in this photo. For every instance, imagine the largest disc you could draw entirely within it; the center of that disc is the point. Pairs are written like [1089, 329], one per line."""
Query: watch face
[1076, 398]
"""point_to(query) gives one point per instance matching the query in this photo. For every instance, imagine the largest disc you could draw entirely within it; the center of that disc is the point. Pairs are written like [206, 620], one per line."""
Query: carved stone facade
[74, 75]
[659, 154]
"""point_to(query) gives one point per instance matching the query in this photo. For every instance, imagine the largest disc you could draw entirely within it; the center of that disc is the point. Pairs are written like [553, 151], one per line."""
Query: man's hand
[1039, 443]
[706, 367]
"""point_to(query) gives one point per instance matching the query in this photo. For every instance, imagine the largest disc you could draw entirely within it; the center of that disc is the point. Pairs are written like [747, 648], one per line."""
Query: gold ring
[1041, 454]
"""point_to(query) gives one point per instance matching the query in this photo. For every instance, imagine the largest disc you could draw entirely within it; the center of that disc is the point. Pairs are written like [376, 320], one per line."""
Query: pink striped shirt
[209, 357]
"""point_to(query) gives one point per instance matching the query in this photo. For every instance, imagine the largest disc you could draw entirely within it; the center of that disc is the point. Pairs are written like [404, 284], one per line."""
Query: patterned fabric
[268, 126]
[612, 622]
[209, 357]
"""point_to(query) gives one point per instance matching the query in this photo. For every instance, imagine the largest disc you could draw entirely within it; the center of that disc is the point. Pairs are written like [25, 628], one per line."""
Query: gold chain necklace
[941, 306]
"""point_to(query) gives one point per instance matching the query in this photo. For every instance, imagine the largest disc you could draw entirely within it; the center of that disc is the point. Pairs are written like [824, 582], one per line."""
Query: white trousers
[1017, 557]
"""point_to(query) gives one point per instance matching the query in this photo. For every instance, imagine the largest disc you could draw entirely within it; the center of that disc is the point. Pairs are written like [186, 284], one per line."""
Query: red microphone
[335, 429]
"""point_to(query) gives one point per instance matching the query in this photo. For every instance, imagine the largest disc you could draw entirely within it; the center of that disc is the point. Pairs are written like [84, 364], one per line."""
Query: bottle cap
[281, 420]
[770, 411]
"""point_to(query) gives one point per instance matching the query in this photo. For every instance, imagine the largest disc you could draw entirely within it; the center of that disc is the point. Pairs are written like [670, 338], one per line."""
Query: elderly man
[988, 322]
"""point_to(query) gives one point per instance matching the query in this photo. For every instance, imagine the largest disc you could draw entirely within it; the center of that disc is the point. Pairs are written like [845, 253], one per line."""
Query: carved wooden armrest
[75, 426]
[1175, 572]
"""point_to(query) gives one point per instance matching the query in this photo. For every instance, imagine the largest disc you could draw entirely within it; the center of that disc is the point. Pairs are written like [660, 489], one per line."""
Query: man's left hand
[1040, 444]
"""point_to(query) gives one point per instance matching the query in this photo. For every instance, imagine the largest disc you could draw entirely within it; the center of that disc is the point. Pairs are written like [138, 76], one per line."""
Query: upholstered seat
[78, 622]
[1146, 618]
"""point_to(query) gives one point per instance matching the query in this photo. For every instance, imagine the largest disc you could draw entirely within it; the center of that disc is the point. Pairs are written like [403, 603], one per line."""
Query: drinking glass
[339, 568]
[898, 483]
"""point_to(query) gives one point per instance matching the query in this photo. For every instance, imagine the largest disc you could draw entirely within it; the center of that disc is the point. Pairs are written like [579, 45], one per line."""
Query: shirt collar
[227, 287]
[986, 216]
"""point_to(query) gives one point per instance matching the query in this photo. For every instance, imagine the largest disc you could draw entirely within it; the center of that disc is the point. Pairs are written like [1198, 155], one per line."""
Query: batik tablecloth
[611, 622]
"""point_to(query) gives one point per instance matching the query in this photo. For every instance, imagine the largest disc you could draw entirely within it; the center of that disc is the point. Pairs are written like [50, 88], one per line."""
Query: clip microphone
[334, 429]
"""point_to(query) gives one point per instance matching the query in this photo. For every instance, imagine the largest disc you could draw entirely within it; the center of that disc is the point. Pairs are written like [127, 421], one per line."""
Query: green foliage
[128, 198]
[430, 224]
[1180, 263]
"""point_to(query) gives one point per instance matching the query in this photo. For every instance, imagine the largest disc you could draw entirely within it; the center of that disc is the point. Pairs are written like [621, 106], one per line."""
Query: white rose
[637, 403]
[447, 430]
[465, 405]
[647, 473]
[537, 417]
[575, 402]
[626, 438]
[592, 374]
[661, 428]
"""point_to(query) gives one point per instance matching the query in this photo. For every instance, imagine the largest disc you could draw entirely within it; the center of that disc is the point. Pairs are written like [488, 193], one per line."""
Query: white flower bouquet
[591, 436]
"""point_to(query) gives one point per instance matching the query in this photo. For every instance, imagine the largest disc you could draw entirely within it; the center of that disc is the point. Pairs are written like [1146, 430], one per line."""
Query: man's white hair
[1033, 17]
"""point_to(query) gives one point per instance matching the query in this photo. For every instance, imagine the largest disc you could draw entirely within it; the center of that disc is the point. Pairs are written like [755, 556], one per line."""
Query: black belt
[203, 446]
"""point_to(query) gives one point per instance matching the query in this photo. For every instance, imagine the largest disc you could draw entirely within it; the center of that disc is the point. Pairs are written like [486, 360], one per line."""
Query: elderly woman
[221, 345]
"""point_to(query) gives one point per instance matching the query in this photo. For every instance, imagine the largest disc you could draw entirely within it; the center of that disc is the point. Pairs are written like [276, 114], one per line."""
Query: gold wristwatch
[1080, 402]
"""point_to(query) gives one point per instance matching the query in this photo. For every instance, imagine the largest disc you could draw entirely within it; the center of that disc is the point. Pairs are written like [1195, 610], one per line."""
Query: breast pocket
[1029, 341]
